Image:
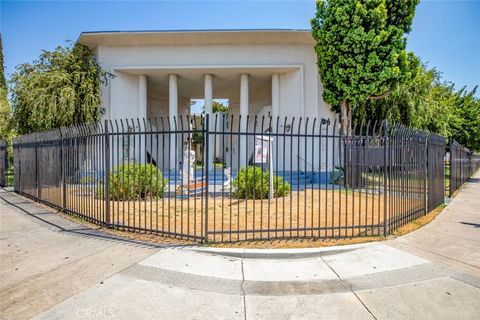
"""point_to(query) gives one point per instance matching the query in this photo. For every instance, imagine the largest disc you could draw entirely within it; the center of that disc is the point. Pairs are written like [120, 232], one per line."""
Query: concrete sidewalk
[432, 273]
[45, 259]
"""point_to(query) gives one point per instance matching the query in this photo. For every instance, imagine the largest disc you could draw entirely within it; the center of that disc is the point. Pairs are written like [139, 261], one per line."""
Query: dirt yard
[313, 213]
[310, 213]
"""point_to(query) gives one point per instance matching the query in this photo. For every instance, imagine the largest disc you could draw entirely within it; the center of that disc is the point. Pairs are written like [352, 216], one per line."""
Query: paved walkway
[55, 269]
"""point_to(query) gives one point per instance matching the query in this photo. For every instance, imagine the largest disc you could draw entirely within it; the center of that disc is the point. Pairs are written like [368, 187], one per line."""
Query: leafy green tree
[361, 50]
[6, 132]
[427, 102]
[218, 107]
[61, 88]
[418, 103]
[3, 82]
[466, 129]
[439, 114]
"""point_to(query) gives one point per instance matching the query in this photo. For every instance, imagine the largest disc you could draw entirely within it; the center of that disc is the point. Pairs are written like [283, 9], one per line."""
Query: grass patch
[419, 222]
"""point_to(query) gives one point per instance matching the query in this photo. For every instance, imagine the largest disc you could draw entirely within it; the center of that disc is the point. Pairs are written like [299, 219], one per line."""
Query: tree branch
[383, 95]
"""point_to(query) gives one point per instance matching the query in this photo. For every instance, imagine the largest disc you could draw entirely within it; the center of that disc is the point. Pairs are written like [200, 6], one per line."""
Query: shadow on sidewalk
[49, 217]
[475, 225]
[474, 180]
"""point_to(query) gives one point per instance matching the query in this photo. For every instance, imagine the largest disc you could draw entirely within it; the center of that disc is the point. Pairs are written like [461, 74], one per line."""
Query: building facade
[261, 73]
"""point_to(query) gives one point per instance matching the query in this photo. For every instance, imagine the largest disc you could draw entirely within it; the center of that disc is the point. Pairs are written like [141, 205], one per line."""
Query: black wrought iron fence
[223, 179]
[436, 171]
[3, 164]
[406, 178]
[463, 163]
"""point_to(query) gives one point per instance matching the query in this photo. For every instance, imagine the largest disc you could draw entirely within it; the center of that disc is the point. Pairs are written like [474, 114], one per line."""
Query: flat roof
[196, 37]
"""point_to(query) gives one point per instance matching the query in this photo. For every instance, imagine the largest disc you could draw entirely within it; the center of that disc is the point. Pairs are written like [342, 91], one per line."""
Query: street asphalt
[52, 268]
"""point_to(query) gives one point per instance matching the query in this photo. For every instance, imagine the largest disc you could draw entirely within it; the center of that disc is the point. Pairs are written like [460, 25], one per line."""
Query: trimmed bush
[253, 183]
[131, 181]
[88, 180]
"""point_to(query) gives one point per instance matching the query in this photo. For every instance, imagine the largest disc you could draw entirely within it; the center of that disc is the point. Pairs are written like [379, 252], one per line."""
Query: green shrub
[337, 175]
[253, 183]
[10, 176]
[88, 180]
[132, 181]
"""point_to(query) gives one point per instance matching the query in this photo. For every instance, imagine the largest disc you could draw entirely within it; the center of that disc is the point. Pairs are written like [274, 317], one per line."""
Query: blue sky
[445, 33]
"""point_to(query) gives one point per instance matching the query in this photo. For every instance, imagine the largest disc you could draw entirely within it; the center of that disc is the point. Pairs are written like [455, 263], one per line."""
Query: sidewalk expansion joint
[243, 292]
[351, 289]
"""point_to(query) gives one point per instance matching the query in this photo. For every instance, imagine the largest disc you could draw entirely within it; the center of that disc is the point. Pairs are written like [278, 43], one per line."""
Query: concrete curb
[371, 281]
[278, 254]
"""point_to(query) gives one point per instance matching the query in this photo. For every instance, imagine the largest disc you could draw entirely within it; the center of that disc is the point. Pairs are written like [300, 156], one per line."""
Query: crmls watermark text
[87, 313]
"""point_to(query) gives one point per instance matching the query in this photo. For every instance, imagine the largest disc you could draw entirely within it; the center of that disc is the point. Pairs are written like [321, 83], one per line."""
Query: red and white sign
[262, 149]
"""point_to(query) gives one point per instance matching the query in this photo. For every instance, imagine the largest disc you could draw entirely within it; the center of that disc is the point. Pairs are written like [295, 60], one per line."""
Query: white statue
[187, 165]
[228, 184]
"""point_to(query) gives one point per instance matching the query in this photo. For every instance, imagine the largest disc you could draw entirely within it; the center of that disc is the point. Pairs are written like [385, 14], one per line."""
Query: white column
[244, 94]
[275, 98]
[142, 96]
[208, 97]
[142, 114]
[173, 115]
[275, 113]
[208, 93]
[243, 113]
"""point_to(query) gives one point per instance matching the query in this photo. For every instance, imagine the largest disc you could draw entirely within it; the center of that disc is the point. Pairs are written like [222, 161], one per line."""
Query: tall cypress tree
[361, 49]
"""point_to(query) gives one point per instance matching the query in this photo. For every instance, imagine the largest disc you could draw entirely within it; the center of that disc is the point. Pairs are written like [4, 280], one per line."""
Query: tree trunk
[345, 113]
[349, 155]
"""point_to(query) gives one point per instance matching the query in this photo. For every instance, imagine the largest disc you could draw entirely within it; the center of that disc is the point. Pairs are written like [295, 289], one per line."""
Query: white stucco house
[260, 72]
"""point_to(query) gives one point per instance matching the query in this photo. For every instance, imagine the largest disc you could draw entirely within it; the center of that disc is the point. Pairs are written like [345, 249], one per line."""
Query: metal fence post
[470, 167]
[3, 165]
[426, 186]
[206, 150]
[460, 167]
[385, 177]
[452, 167]
[107, 174]
[3, 178]
[17, 172]
[5, 171]
[62, 172]
[37, 187]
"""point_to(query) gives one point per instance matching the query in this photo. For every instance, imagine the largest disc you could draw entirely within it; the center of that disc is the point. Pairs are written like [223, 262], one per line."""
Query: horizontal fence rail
[223, 178]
